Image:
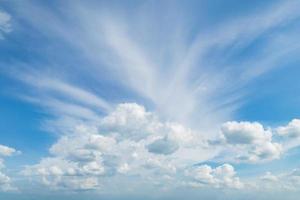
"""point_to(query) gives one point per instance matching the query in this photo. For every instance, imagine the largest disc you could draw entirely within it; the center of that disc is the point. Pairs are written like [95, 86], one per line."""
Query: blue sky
[118, 99]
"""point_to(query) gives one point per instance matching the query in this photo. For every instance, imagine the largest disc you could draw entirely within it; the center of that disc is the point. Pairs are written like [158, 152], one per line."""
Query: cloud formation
[179, 79]
[291, 130]
[223, 176]
[250, 142]
[5, 23]
[128, 142]
[283, 181]
[7, 151]
[191, 80]
[132, 143]
[5, 181]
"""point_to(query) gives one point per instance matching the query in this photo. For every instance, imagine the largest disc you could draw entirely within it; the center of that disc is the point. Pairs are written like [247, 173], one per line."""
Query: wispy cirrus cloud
[189, 77]
[5, 23]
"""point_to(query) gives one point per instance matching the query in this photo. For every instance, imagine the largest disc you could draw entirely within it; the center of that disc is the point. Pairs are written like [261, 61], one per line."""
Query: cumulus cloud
[289, 134]
[129, 141]
[5, 181]
[249, 142]
[94, 156]
[219, 177]
[132, 142]
[131, 121]
[291, 130]
[7, 151]
[58, 172]
[245, 133]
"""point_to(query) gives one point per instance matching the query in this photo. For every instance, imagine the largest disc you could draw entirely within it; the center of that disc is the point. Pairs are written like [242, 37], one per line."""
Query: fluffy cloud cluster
[5, 181]
[133, 144]
[249, 142]
[219, 177]
[131, 121]
[128, 142]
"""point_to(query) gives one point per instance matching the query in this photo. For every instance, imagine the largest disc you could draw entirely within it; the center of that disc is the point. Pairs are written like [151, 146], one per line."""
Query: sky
[153, 99]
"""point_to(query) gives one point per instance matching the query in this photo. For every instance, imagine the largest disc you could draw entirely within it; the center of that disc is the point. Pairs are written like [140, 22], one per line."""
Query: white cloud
[132, 142]
[289, 134]
[7, 151]
[5, 181]
[269, 177]
[69, 104]
[249, 142]
[130, 121]
[70, 91]
[129, 141]
[291, 130]
[74, 174]
[56, 88]
[223, 176]
[245, 133]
